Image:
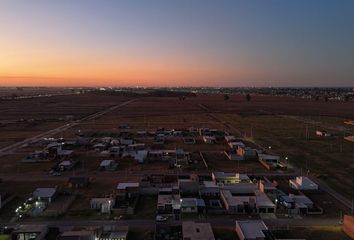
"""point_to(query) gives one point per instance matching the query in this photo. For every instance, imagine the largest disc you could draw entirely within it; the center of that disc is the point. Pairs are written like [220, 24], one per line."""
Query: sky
[219, 43]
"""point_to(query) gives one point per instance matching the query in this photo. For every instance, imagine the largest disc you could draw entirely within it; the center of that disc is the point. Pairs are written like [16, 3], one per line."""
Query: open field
[286, 135]
[263, 122]
[31, 91]
[23, 118]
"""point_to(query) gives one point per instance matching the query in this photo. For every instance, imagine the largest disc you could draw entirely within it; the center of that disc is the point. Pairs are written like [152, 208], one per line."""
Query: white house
[105, 205]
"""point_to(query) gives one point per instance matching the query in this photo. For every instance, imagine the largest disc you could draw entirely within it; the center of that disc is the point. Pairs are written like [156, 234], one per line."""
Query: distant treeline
[151, 93]
[167, 93]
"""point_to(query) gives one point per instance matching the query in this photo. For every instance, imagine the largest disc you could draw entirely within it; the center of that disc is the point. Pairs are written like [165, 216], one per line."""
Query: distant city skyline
[278, 43]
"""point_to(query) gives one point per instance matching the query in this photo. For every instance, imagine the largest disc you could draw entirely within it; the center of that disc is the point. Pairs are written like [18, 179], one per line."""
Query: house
[64, 154]
[188, 186]
[229, 178]
[116, 151]
[233, 156]
[66, 165]
[302, 203]
[105, 205]
[128, 189]
[295, 203]
[31, 231]
[246, 152]
[209, 139]
[189, 205]
[244, 188]
[176, 157]
[136, 147]
[235, 145]
[303, 183]
[197, 231]
[209, 188]
[269, 161]
[87, 233]
[37, 156]
[45, 194]
[141, 156]
[115, 234]
[99, 147]
[249, 203]
[78, 182]
[126, 141]
[266, 187]
[252, 230]
[182, 157]
[169, 203]
[108, 165]
[230, 138]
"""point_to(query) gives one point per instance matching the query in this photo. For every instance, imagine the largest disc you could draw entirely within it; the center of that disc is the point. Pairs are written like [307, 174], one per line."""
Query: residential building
[128, 189]
[303, 183]
[105, 205]
[169, 203]
[78, 182]
[45, 194]
[235, 145]
[108, 165]
[252, 230]
[256, 203]
[229, 178]
[87, 233]
[30, 232]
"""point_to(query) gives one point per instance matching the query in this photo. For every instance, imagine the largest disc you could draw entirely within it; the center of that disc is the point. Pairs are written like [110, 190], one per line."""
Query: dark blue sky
[194, 42]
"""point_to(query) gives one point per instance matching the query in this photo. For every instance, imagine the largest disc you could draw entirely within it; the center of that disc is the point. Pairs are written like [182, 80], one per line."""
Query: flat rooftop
[197, 231]
[252, 229]
[122, 186]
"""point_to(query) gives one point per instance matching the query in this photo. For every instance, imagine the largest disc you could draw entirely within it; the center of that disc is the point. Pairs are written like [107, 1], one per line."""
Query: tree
[226, 97]
[248, 97]
[317, 98]
[326, 99]
[346, 98]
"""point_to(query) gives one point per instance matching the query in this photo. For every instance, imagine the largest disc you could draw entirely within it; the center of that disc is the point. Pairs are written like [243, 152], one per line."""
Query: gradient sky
[177, 43]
